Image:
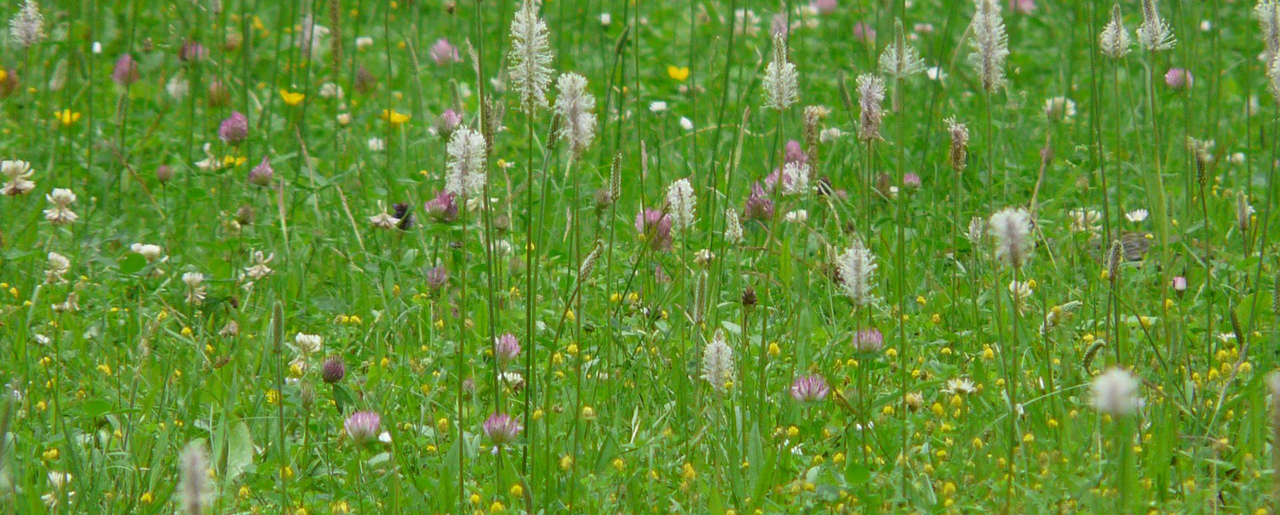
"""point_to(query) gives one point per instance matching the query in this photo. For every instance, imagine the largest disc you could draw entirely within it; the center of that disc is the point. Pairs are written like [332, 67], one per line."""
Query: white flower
[376, 144]
[1116, 392]
[195, 287]
[1012, 229]
[732, 227]
[60, 213]
[990, 44]
[17, 173]
[1154, 33]
[465, 170]
[384, 220]
[857, 268]
[657, 106]
[26, 28]
[1136, 215]
[363, 42]
[210, 162]
[686, 123]
[344, 119]
[606, 19]
[530, 56]
[59, 265]
[1060, 108]
[177, 86]
[1114, 40]
[870, 100]
[746, 22]
[331, 90]
[148, 251]
[96, 48]
[259, 268]
[308, 343]
[1085, 220]
[574, 105]
[899, 59]
[1020, 291]
[58, 481]
[798, 216]
[830, 134]
[959, 386]
[683, 204]
[779, 82]
[717, 363]
[795, 178]
[935, 73]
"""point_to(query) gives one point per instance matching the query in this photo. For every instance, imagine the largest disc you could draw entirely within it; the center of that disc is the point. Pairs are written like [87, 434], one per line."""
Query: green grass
[616, 415]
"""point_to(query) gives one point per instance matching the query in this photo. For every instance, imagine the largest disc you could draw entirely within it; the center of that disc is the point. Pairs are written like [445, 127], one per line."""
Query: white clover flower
[59, 265]
[259, 268]
[686, 123]
[657, 106]
[195, 287]
[308, 343]
[1136, 215]
[60, 213]
[798, 216]
[375, 143]
[18, 174]
[148, 251]
[331, 90]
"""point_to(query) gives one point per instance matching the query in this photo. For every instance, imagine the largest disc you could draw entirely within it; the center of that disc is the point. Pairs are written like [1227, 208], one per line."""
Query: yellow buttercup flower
[396, 118]
[292, 98]
[679, 73]
[67, 116]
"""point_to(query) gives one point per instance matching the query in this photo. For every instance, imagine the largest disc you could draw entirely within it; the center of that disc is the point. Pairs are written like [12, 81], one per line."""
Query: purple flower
[437, 277]
[192, 51]
[864, 33]
[506, 348]
[164, 174]
[1022, 6]
[1180, 285]
[125, 71]
[442, 52]
[502, 429]
[234, 129]
[825, 6]
[262, 174]
[778, 27]
[759, 205]
[654, 226]
[795, 153]
[443, 208]
[333, 369]
[910, 181]
[868, 340]
[1178, 78]
[362, 426]
[448, 121]
[809, 388]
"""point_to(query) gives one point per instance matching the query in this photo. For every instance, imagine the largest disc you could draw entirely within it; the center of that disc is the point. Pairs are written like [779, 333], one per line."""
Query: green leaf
[96, 408]
[856, 474]
[342, 398]
[240, 450]
[132, 263]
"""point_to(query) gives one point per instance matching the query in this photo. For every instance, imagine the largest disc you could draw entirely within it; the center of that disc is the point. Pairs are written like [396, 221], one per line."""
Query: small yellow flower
[619, 465]
[395, 118]
[287, 472]
[679, 73]
[497, 507]
[588, 413]
[186, 331]
[105, 369]
[3, 75]
[774, 349]
[566, 462]
[517, 491]
[67, 116]
[243, 493]
[147, 498]
[292, 98]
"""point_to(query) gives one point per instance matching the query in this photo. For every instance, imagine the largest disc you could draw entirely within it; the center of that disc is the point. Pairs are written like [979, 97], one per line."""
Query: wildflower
[437, 277]
[125, 71]
[331, 90]
[864, 32]
[795, 178]
[911, 181]
[717, 362]
[192, 51]
[18, 174]
[824, 6]
[58, 482]
[383, 220]
[442, 208]
[333, 369]
[259, 268]
[1179, 285]
[1154, 33]
[1060, 109]
[1136, 215]
[959, 386]
[446, 123]
[959, 155]
[732, 227]
[870, 97]
[1178, 78]
[395, 118]
[26, 28]
[900, 60]
[574, 105]
[798, 216]
[990, 44]
[1244, 212]
[758, 206]
[376, 144]
[195, 477]
[502, 429]
[868, 340]
[59, 265]
[344, 119]
[1085, 220]
[262, 174]
[292, 98]
[530, 57]
[779, 83]
[442, 52]
[400, 211]
[164, 174]
[686, 123]
[308, 343]
[1022, 6]
[150, 252]
[364, 42]
[218, 94]
[679, 73]
[67, 116]
[466, 164]
[657, 106]
[1115, 392]
[655, 226]
[1012, 228]
[857, 267]
[1114, 40]
[60, 213]
[683, 204]
[362, 426]
[809, 388]
[234, 128]
[195, 287]
[506, 348]
[1020, 291]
